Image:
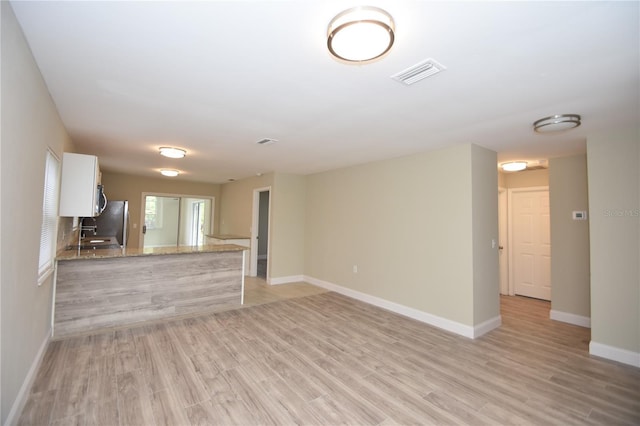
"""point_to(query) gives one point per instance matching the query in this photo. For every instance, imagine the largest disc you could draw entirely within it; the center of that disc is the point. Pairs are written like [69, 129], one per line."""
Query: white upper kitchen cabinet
[79, 186]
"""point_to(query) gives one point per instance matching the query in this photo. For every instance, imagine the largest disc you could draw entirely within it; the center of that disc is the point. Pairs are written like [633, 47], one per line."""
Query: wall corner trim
[487, 326]
[615, 354]
[285, 280]
[430, 319]
[21, 398]
[570, 318]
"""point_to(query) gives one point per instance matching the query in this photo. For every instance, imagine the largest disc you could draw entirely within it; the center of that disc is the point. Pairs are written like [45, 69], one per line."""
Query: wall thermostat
[580, 215]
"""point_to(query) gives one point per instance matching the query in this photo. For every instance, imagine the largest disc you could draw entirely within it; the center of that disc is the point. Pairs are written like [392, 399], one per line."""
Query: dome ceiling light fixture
[172, 152]
[557, 123]
[513, 166]
[169, 172]
[360, 34]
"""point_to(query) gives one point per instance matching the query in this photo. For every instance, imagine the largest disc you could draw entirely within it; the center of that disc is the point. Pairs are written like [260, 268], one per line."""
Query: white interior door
[531, 243]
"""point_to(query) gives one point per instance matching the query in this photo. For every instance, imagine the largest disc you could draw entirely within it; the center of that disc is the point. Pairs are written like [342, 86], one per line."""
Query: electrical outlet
[355, 269]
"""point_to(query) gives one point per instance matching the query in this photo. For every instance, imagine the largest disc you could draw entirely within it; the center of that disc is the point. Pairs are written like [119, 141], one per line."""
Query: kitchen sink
[97, 246]
[96, 243]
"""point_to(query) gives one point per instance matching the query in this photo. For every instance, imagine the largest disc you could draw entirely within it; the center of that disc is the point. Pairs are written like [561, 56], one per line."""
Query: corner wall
[287, 232]
[236, 204]
[614, 226]
[484, 204]
[286, 222]
[29, 124]
[391, 231]
[570, 269]
[236, 208]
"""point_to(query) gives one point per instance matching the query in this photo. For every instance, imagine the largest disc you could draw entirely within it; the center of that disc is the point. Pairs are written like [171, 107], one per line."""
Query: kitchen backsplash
[66, 234]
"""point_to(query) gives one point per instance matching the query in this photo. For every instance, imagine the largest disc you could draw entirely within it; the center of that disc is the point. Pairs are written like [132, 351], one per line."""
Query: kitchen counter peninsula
[226, 237]
[105, 288]
[240, 240]
[74, 254]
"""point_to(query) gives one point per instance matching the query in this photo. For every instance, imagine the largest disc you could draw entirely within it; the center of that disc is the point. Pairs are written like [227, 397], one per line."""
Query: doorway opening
[525, 242]
[175, 220]
[260, 233]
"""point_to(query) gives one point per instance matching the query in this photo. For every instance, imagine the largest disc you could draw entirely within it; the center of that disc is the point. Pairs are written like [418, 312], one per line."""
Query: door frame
[510, 192]
[163, 194]
[255, 218]
[194, 224]
[503, 239]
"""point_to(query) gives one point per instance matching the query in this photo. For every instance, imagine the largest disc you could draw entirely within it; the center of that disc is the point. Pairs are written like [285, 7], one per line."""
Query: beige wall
[410, 236]
[236, 208]
[525, 179]
[502, 182]
[568, 192]
[30, 124]
[120, 186]
[287, 226]
[236, 204]
[614, 204]
[484, 205]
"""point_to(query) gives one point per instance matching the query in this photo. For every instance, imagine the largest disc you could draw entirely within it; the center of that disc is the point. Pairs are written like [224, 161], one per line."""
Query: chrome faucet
[84, 227]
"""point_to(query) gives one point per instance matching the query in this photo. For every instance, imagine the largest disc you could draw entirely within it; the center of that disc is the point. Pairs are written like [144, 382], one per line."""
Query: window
[153, 212]
[49, 230]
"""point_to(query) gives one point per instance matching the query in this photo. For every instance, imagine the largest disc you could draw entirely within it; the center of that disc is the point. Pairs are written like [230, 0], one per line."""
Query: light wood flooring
[258, 292]
[325, 359]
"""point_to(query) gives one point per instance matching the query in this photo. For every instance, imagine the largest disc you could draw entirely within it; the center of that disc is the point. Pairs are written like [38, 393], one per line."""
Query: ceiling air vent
[266, 141]
[421, 70]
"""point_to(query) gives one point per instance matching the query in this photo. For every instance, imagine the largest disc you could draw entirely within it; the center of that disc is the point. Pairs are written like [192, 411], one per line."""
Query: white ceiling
[214, 77]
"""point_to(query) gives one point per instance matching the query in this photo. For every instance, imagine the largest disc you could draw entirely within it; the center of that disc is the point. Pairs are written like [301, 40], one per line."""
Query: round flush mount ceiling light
[360, 34]
[513, 166]
[556, 123]
[169, 172]
[172, 152]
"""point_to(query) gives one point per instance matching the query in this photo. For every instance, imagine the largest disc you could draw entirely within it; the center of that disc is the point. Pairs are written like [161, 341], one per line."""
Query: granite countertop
[75, 254]
[98, 242]
[228, 237]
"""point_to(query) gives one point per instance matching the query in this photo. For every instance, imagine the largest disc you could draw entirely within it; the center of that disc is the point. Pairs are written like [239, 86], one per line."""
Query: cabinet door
[80, 178]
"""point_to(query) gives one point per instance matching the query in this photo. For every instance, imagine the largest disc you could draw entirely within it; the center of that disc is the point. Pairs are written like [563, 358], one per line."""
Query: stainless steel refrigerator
[114, 221]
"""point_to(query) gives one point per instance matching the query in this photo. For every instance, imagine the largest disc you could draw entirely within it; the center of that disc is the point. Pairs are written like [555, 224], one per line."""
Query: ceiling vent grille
[266, 141]
[419, 71]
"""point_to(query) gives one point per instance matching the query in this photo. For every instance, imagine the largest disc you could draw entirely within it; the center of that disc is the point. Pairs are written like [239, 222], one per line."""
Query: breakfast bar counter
[74, 254]
[106, 288]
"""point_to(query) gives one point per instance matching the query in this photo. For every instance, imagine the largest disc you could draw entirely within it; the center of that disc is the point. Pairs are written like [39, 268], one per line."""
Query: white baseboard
[487, 326]
[434, 320]
[570, 318]
[23, 393]
[615, 354]
[285, 280]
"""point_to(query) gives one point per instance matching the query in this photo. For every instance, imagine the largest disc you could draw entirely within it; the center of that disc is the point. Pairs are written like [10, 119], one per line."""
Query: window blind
[48, 233]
